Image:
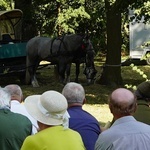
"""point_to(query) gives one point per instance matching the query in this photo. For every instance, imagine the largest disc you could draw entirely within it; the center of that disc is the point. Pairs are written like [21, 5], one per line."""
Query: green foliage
[4, 4]
[68, 19]
[70, 16]
[142, 10]
[97, 24]
[140, 72]
[45, 15]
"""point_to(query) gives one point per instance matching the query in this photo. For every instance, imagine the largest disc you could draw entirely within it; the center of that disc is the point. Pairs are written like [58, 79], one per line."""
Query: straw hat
[48, 108]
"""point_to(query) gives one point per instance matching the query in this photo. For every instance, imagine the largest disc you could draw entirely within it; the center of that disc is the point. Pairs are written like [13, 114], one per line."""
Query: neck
[17, 98]
[43, 126]
[74, 104]
[120, 116]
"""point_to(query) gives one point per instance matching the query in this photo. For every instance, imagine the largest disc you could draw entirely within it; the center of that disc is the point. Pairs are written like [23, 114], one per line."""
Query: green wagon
[12, 48]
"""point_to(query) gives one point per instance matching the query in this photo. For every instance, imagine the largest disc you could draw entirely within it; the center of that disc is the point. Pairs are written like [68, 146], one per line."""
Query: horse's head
[90, 73]
[90, 70]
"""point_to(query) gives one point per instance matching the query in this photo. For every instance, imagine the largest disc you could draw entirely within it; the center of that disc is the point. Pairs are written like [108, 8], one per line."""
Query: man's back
[84, 123]
[14, 128]
[80, 120]
[17, 107]
[125, 133]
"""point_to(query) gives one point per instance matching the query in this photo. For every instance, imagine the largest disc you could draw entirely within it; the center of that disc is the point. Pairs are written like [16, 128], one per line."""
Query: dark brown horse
[61, 51]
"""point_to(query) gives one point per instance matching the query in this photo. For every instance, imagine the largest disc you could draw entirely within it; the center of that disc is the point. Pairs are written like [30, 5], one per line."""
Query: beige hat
[49, 108]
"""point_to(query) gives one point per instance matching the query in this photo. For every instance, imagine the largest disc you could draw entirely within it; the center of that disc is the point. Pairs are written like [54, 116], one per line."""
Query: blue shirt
[125, 133]
[85, 124]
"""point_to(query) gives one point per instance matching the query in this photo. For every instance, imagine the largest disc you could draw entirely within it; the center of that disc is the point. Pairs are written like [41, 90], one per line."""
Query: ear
[135, 108]
[110, 107]
[84, 101]
[22, 98]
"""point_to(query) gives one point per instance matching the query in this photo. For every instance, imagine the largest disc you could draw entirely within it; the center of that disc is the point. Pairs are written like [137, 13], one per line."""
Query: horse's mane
[70, 36]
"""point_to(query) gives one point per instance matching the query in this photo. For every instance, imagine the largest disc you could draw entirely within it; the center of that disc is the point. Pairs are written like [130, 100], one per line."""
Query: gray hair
[5, 98]
[74, 92]
[14, 90]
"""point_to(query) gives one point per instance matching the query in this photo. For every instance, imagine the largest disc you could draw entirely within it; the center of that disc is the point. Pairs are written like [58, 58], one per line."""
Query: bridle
[90, 70]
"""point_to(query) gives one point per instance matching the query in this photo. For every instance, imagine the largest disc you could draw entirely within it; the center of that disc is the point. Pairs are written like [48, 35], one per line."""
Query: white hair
[14, 89]
[5, 98]
[74, 92]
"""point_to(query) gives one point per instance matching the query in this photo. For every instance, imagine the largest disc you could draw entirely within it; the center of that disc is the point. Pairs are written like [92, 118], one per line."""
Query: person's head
[74, 93]
[5, 99]
[122, 102]
[49, 109]
[15, 91]
[143, 91]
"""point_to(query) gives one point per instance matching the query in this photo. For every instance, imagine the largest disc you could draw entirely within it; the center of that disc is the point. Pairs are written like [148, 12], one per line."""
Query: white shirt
[18, 107]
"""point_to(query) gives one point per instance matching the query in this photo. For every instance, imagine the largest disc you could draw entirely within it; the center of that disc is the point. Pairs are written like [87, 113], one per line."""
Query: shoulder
[20, 118]
[122, 129]
[17, 107]
[143, 126]
[81, 112]
[29, 142]
[73, 132]
[104, 140]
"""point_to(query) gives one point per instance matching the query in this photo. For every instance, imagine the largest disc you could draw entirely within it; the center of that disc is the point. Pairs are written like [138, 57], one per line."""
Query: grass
[96, 94]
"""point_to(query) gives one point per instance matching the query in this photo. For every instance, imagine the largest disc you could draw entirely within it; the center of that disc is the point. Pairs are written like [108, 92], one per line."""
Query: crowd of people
[57, 121]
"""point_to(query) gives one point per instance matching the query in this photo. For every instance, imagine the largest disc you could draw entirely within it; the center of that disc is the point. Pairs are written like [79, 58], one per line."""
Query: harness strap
[52, 45]
[143, 104]
[61, 42]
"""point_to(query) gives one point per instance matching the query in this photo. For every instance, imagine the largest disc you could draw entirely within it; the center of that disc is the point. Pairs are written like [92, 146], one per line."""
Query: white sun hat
[49, 108]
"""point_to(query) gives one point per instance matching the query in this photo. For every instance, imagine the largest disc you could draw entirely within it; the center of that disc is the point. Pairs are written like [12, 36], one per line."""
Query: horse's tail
[28, 75]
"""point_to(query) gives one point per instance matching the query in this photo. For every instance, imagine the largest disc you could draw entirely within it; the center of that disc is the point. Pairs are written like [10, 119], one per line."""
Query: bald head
[122, 102]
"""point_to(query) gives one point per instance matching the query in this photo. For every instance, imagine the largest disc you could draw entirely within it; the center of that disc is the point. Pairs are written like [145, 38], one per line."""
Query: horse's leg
[28, 71]
[61, 71]
[31, 67]
[56, 72]
[77, 71]
[34, 81]
[68, 68]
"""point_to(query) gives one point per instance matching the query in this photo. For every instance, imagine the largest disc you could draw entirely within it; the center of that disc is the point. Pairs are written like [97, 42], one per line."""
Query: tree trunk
[28, 24]
[111, 74]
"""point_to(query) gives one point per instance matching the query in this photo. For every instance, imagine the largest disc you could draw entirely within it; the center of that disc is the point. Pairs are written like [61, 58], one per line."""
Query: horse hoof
[35, 84]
